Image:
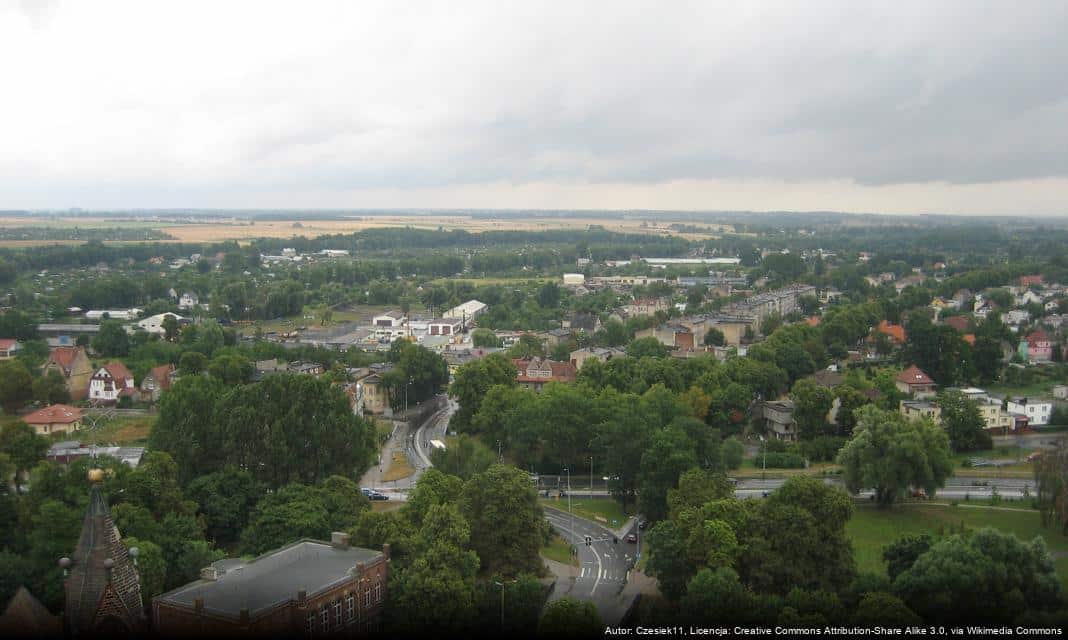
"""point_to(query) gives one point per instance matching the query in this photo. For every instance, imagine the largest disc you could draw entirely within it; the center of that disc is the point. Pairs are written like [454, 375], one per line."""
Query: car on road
[367, 492]
[632, 538]
[378, 496]
[643, 524]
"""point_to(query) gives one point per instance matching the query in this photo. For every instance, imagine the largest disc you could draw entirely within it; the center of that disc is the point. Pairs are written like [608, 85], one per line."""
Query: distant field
[314, 228]
[871, 529]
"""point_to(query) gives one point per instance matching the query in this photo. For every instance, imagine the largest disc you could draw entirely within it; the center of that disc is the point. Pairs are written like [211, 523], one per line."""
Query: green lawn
[123, 430]
[559, 550]
[601, 510]
[871, 529]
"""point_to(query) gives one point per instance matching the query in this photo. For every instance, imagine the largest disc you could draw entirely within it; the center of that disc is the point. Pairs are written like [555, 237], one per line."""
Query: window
[311, 622]
[367, 597]
[378, 592]
[337, 612]
[324, 618]
[350, 605]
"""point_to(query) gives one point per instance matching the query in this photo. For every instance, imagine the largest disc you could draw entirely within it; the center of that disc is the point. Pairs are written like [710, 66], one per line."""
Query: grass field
[871, 529]
[559, 550]
[124, 430]
[399, 467]
[606, 511]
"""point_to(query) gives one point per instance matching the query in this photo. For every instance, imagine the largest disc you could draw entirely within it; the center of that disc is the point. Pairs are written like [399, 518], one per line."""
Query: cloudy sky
[904, 107]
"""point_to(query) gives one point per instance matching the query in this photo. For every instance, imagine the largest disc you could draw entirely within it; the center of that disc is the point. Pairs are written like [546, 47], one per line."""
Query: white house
[188, 301]
[389, 319]
[1037, 410]
[1017, 316]
[154, 324]
[111, 382]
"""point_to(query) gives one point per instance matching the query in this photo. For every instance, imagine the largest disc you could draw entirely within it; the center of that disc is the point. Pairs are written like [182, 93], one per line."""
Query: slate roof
[88, 587]
[273, 578]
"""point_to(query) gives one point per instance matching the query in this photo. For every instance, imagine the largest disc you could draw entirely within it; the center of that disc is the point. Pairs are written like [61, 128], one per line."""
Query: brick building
[307, 588]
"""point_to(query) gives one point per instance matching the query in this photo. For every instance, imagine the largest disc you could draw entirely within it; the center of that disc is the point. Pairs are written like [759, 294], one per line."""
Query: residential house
[1028, 297]
[456, 359]
[1038, 411]
[74, 365]
[913, 409]
[189, 300]
[582, 321]
[1027, 281]
[604, 354]
[9, 348]
[778, 418]
[308, 588]
[914, 381]
[554, 337]
[995, 418]
[1060, 391]
[111, 382]
[1016, 317]
[984, 308]
[156, 381]
[535, 373]
[669, 334]
[375, 396]
[1037, 347]
[646, 306]
[908, 281]
[895, 331]
[56, 418]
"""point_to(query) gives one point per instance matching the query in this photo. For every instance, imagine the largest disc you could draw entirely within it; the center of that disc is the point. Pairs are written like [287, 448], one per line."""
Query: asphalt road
[603, 566]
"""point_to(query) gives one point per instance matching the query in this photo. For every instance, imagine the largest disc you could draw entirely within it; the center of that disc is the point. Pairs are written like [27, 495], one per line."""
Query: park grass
[601, 510]
[399, 467]
[559, 550]
[122, 430]
[871, 529]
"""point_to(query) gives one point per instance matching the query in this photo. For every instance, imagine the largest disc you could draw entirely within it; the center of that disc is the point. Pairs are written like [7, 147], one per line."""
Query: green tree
[568, 617]
[647, 347]
[879, 609]
[187, 427]
[668, 559]
[716, 596]
[192, 363]
[612, 334]
[466, 457]
[507, 524]
[51, 388]
[16, 385]
[151, 567]
[22, 446]
[170, 328]
[670, 453]
[987, 577]
[902, 553]
[294, 511]
[226, 500]
[528, 346]
[482, 338]
[849, 400]
[112, 339]
[714, 337]
[733, 453]
[890, 454]
[812, 403]
[232, 369]
[963, 422]
[472, 381]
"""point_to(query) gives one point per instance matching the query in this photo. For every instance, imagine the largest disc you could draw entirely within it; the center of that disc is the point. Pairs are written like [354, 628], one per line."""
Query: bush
[823, 448]
[776, 460]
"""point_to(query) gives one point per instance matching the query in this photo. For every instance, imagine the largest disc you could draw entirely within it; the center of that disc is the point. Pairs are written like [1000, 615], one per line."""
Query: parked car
[632, 538]
[643, 524]
[378, 496]
[1034, 456]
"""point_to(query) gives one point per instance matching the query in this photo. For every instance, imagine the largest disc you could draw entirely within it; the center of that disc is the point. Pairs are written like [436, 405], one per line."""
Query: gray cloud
[345, 97]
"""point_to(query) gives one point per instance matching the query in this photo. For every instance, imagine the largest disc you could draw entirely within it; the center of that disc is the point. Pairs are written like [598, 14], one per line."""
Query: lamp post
[501, 585]
[591, 477]
[570, 514]
[764, 467]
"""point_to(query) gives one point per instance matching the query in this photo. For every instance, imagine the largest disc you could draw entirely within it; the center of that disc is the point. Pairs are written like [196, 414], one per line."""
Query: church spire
[103, 589]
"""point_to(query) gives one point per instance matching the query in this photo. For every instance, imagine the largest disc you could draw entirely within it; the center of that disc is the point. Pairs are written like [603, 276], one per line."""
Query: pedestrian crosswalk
[605, 574]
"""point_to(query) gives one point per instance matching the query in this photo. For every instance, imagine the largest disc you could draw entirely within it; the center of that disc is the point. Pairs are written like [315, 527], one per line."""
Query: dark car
[643, 524]
[378, 496]
[632, 538]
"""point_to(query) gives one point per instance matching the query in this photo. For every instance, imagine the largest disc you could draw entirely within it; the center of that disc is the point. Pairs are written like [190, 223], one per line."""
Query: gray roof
[273, 578]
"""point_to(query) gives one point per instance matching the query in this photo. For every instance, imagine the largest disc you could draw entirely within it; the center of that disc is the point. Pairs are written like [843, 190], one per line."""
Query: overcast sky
[903, 107]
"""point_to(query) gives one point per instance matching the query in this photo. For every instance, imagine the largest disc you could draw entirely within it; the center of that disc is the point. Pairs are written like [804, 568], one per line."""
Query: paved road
[603, 570]
[403, 439]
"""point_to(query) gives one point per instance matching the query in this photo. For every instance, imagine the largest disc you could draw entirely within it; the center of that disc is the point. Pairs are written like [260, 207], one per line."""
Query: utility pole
[570, 514]
[591, 476]
[764, 469]
[501, 585]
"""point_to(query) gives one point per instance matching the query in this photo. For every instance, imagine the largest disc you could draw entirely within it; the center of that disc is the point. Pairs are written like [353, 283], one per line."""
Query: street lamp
[764, 469]
[570, 514]
[501, 585]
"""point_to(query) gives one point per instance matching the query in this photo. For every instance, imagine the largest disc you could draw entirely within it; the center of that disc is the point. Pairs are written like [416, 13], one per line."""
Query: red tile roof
[914, 375]
[969, 338]
[55, 414]
[1027, 281]
[64, 357]
[1035, 337]
[7, 343]
[162, 374]
[895, 331]
[960, 323]
[561, 371]
[118, 371]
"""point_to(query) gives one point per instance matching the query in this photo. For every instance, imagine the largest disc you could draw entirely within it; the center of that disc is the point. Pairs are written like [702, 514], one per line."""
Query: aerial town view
[537, 320]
